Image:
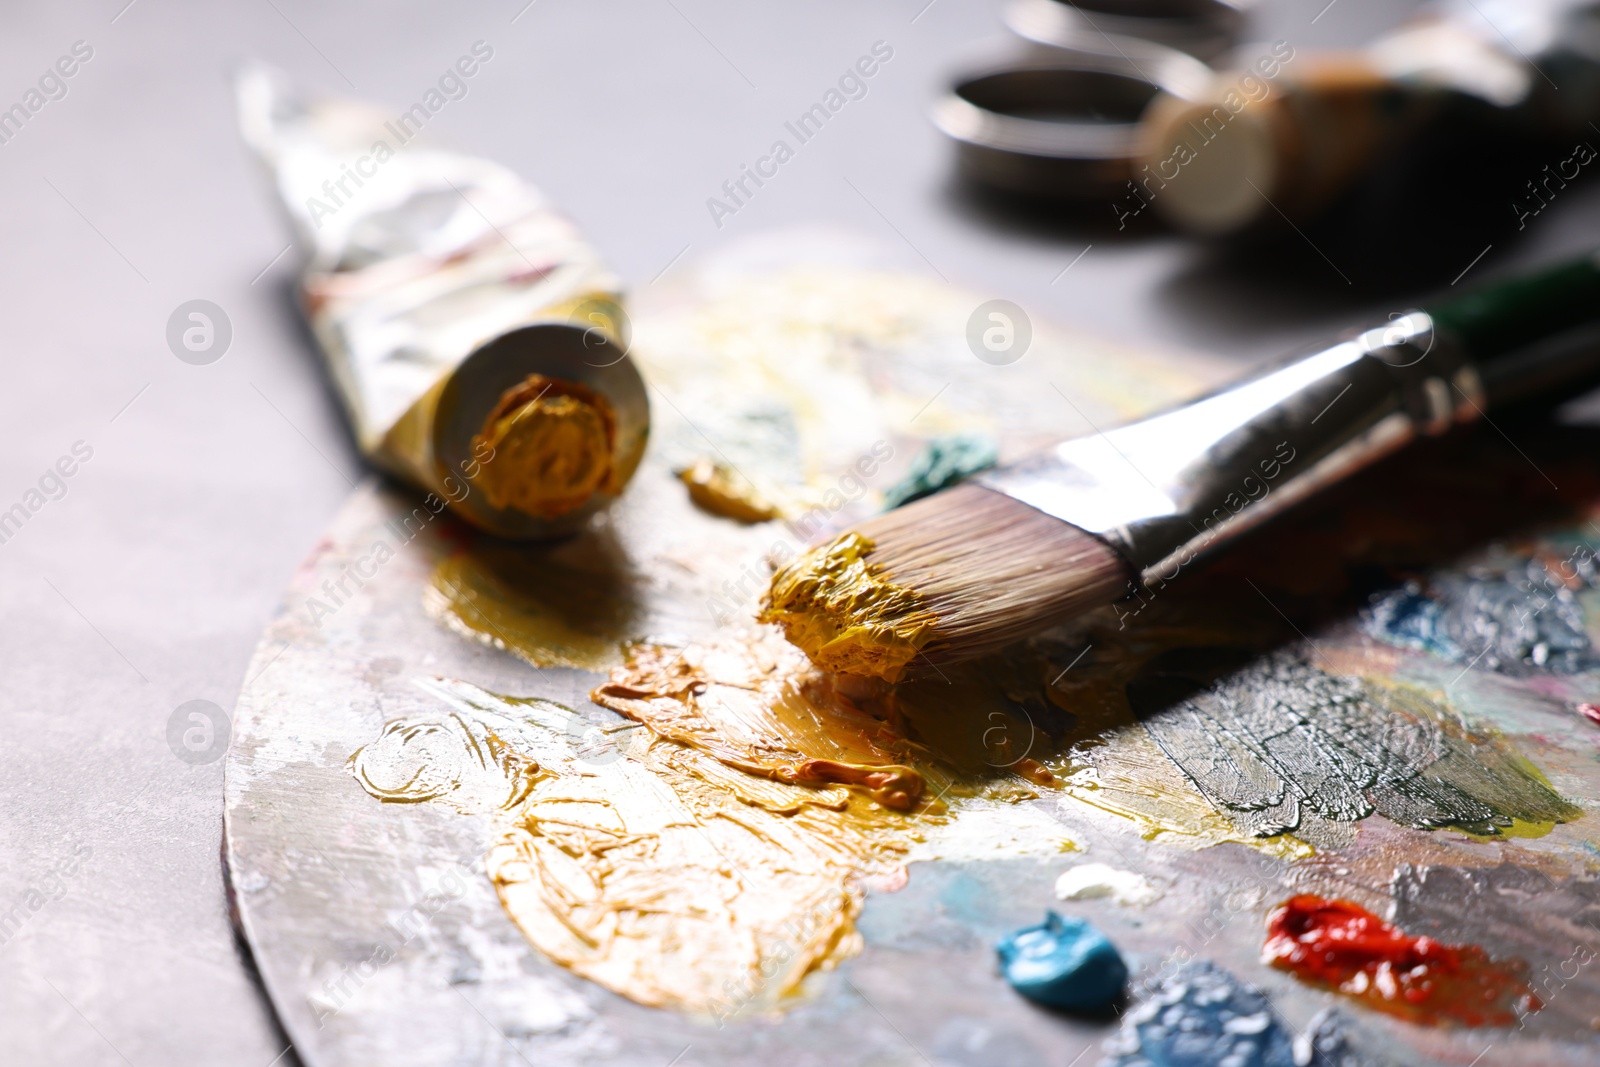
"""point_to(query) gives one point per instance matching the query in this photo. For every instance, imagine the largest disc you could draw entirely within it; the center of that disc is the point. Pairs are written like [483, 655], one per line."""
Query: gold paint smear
[552, 607]
[648, 868]
[759, 706]
[711, 862]
[717, 488]
[747, 706]
[654, 878]
[550, 445]
[887, 624]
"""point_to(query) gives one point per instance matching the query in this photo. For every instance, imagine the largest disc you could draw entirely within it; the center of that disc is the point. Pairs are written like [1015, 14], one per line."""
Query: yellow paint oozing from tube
[844, 614]
[550, 445]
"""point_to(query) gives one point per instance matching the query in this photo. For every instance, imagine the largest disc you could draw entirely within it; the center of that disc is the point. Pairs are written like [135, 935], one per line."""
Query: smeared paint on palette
[1517, 912]
[653, 869]
[943, 462]
[1280, 743]
[1230, 742]
[1513, 613]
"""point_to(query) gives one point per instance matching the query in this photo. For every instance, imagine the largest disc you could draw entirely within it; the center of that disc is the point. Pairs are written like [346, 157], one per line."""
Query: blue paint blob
[1408, 619]
[1064, 963]
[1199, 1015]
[943, 462]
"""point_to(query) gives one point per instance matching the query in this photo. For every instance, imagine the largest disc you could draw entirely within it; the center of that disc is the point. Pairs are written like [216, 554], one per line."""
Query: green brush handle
[1530, 335]
[1219, 465]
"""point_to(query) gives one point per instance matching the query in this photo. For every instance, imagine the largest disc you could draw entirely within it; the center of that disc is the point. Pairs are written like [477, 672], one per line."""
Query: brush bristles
[991, 569]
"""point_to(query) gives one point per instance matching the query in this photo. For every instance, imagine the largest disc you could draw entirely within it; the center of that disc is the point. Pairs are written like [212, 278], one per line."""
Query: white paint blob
[1089, 881]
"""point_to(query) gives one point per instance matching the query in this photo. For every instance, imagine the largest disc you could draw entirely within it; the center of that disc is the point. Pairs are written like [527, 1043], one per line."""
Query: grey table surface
[146, 584]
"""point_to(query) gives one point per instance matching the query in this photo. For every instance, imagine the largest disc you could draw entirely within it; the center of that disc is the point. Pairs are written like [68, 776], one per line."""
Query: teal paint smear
[943, 462]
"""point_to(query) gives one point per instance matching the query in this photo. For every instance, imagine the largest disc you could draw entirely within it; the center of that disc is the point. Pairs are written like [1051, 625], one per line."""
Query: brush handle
[1531, 335]
[1494, 320]
[1167, 488]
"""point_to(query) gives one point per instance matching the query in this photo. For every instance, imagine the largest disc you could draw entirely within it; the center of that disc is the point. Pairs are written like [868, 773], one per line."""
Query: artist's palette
[442, 852]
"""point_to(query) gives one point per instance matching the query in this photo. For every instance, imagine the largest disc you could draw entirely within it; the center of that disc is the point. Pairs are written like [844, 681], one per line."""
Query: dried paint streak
[1198, 1015]
[708, 864]
[1515, 618]
[1279, 741]
[1342, 946]
[458, 760]
[1517, 912]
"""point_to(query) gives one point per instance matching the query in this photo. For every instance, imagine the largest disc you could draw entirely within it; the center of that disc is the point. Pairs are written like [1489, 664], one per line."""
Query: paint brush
[1086, 522]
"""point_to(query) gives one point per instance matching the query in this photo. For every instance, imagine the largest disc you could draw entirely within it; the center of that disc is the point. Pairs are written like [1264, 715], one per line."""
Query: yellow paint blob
[717, 488]
[550, 447]
[845, 615]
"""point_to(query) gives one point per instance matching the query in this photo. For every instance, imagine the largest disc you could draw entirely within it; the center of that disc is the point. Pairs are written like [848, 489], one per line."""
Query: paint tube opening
[539, 428]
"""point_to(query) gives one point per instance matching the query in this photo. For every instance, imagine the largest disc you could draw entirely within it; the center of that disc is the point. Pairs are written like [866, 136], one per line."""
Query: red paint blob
[1343, 946]
[1590, 712]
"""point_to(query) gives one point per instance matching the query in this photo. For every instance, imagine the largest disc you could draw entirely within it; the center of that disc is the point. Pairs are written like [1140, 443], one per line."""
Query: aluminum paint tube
[477, 342]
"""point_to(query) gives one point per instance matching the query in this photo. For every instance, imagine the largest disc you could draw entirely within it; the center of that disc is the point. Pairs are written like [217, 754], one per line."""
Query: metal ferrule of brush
[1168, 488]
